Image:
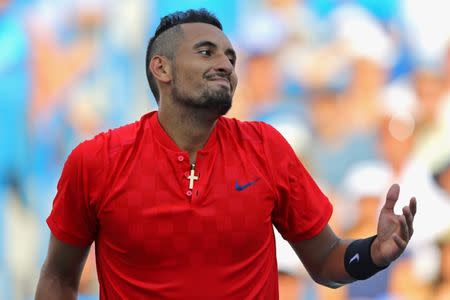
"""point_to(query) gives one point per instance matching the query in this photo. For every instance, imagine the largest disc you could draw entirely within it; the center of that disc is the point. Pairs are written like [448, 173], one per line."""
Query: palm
[394, 231]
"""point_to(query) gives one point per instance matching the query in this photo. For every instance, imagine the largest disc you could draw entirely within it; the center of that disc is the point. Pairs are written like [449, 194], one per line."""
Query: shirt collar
[166, 141]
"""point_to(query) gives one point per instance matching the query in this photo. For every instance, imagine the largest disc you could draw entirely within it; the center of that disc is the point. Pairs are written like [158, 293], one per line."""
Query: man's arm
[61, 272]
[323, 255]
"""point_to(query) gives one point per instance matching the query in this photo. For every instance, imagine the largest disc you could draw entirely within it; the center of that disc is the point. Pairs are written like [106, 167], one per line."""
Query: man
[181, 203]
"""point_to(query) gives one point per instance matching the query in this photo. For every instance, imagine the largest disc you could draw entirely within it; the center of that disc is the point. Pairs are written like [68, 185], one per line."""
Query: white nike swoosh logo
[355, 257]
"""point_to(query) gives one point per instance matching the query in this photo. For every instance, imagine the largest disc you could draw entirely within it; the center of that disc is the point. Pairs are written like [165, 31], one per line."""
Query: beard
[217, 101]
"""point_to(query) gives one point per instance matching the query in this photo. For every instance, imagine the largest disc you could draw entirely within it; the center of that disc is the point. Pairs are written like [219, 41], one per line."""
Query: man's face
[204, 76]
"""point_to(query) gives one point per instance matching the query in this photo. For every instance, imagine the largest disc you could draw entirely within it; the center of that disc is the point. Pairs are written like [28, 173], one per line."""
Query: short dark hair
[167, 37]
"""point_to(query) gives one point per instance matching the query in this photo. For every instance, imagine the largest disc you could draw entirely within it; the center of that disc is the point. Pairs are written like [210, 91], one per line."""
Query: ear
[160, 68]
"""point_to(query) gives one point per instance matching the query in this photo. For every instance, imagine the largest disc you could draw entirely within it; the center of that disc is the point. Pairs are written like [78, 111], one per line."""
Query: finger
[403, 227]
[392, 197]
[399, 241]
[413, 205]
[409, 220]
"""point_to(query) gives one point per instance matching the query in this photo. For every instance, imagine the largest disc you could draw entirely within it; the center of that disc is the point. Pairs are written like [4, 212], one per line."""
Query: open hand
[394, 231]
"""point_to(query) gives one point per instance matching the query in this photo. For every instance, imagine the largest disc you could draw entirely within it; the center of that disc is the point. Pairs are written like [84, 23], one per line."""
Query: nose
[224, 65]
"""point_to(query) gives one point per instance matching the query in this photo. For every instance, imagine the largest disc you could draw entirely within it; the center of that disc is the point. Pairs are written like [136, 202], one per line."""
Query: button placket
[182, 161]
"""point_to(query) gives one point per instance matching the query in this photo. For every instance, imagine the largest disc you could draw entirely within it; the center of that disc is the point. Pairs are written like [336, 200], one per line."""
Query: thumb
[392, 197]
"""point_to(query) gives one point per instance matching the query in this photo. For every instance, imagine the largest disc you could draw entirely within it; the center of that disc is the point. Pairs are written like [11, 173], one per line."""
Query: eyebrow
[228, 51]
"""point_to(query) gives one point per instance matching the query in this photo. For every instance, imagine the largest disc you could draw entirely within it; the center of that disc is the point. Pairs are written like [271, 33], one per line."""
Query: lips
[221, 80]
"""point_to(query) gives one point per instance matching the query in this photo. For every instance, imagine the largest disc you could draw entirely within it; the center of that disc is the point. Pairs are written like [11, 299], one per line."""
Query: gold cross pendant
[192, 177]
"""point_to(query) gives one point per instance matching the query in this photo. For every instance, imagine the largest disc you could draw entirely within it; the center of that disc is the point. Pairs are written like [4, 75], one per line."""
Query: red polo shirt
[127, 190]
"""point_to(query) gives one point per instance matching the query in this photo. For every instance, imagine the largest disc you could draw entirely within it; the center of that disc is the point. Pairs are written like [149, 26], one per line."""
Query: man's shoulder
[253, 130]
[114, 139]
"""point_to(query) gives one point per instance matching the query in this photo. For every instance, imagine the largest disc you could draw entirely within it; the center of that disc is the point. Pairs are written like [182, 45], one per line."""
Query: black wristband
[358, 260]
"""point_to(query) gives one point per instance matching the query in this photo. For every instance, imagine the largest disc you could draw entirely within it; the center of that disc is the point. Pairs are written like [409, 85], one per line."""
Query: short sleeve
[73, 219]
[301, 210]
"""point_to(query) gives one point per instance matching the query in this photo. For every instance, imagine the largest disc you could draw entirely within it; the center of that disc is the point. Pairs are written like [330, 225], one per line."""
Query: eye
[205, 52]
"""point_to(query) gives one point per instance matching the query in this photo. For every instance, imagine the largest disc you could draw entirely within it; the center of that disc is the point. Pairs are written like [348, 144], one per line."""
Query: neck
[188, 127]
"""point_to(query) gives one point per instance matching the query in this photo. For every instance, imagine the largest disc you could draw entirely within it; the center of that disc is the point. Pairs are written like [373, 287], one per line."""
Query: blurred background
[359, 88]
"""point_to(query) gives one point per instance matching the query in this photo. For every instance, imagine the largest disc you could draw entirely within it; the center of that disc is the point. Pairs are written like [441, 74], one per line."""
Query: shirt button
[189, 193]
[186, 174]
[180, 158]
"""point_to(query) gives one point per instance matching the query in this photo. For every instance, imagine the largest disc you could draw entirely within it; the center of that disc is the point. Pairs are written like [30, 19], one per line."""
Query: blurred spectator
[426, 27]
[262, 93]
[14, 105]
[441, 289]
[433, 118]
[345, 110]
[405, 283]
[441, 285]
[333, 148]
[61, 57]
[301, 23]
[442, 178]
[53, 47]
[370, 53]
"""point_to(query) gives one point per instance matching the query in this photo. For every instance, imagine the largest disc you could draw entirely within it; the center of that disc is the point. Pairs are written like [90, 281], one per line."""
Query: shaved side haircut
[168, 36]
